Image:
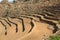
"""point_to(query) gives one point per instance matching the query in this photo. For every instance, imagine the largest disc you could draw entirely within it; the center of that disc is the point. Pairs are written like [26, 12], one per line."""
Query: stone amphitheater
[13, 15]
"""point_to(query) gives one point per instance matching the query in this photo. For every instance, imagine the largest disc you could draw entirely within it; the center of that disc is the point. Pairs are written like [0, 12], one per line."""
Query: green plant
[56, 37]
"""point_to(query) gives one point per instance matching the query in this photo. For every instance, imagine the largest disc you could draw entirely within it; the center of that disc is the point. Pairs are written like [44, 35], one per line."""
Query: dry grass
[25, 7]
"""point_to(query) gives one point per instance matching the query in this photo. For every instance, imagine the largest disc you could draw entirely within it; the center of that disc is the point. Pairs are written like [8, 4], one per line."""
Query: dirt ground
[39, 32]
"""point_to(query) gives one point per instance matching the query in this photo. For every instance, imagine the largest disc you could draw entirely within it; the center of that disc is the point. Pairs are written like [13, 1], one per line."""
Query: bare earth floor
[39, 32]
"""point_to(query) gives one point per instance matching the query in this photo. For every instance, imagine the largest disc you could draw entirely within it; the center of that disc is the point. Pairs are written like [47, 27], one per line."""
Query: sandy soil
[39, 32]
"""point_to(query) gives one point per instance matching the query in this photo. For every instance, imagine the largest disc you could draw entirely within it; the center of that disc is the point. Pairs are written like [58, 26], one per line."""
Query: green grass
[56, 37]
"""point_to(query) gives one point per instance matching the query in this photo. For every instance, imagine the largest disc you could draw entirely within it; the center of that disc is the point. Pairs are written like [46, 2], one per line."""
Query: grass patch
[56, 37]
